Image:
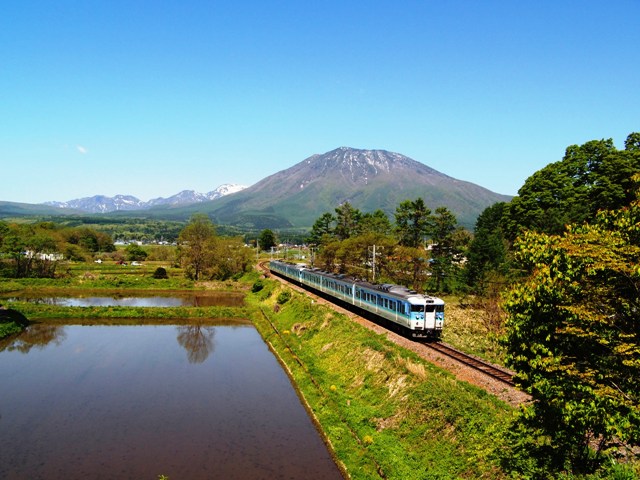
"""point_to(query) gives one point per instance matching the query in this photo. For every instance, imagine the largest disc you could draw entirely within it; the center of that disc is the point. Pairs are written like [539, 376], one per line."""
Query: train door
[430, 316]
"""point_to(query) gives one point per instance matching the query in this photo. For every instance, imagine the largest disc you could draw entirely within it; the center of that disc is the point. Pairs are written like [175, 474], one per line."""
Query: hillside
[368, 179]
[297, 196]
[15, 209]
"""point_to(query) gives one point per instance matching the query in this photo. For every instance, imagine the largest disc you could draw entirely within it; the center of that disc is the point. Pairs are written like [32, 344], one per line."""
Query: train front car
[434, 316]
[426, 317]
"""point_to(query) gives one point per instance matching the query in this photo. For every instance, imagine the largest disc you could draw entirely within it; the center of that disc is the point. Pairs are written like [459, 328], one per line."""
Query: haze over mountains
[297, 196]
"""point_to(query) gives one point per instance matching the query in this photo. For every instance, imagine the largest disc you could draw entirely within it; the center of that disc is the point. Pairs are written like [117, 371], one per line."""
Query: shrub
[257, 286]
[160, 273]
[284, 297]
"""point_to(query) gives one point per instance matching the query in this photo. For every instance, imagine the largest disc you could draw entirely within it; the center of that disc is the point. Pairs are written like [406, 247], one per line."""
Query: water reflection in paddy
[220, 299]
[120, 402]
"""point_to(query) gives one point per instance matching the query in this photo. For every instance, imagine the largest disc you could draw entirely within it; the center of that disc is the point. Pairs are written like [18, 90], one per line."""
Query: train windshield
[439, 308]
[417, 308]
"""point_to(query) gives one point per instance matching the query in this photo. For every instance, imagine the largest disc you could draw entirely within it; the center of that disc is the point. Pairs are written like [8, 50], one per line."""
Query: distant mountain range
[368, 179]
[299, 195]
[104, 204]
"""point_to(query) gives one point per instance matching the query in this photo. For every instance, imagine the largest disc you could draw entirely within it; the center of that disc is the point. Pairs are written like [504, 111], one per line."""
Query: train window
[431, 308]
[417, 308]
[439, 308]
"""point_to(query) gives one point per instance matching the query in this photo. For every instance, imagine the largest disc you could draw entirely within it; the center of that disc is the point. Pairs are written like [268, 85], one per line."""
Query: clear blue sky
[151, 97]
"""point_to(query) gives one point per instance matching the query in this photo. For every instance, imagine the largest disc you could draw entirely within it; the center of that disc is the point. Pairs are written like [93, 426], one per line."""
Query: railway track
[493, 371]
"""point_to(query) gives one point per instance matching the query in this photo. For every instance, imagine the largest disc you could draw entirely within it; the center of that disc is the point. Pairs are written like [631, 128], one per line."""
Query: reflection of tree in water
[197, 341]
[37, 335]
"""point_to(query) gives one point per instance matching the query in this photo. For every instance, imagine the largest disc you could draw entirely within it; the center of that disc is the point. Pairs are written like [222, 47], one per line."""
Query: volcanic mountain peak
[360, 166]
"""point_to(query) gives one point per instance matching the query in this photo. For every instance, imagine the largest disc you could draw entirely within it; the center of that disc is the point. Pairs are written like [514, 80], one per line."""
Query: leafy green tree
[573, 337]
[31, 249]
[589, 178]
[447, 249]
[488, 249]
[196, 246]
[135, 253]
[413, 222]
[408, 266]
[230, 258]
[267, 239]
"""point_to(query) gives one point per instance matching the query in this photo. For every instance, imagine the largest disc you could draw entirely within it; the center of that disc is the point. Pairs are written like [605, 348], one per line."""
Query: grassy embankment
[385, 411]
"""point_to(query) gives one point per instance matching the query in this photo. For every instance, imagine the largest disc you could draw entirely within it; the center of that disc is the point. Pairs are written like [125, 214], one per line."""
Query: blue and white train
[416, 315]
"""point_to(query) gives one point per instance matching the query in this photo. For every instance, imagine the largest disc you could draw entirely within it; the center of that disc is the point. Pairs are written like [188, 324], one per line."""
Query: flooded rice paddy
[220, 299]
[135, 402]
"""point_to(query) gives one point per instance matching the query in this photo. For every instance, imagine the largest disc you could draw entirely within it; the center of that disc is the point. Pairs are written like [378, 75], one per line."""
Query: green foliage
[283, 297]
[11, 322]
[196, 246]
[487, 252]
[135, 252]
[160, 273]
[205, 256]
[10, 328]
[36, 249]
[349, 248]
[590, 177]
[413, 223]
[257, 286]
[322, 230]
[267, 240]
[447, 250]
[347, 221]
[573, 337]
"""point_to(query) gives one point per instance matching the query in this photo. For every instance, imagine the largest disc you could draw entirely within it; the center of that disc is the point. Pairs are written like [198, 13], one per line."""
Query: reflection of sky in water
[124, 302]
[223, 300]
[134, 402]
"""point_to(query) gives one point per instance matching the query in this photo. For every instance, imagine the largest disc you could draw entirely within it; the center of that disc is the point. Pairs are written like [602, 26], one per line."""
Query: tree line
[563, 260]
[39, 249]
[420, 248]
[34, 250]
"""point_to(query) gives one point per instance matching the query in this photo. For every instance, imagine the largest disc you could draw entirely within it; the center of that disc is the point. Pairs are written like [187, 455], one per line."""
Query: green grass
[39, 312]
[107, 275]
[384, 410]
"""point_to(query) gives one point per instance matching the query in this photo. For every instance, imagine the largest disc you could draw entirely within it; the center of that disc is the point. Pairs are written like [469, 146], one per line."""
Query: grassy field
[108, 275]
[385, 412]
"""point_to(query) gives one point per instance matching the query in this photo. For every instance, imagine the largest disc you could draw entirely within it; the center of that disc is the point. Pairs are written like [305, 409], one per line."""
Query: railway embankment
[385, 411]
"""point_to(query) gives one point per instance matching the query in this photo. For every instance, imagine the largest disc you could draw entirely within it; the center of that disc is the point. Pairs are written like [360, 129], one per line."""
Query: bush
[257, 286]
[160, 273]
[284, 297]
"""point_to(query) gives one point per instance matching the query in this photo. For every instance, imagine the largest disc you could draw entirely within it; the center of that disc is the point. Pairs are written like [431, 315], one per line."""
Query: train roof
[397, 291]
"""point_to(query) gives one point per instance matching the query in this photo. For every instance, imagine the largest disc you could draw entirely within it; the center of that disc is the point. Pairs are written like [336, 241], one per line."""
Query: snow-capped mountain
[104, 204]
[369, 180]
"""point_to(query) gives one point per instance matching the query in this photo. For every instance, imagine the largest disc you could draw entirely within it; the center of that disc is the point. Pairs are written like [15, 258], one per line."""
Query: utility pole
[373, 264]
